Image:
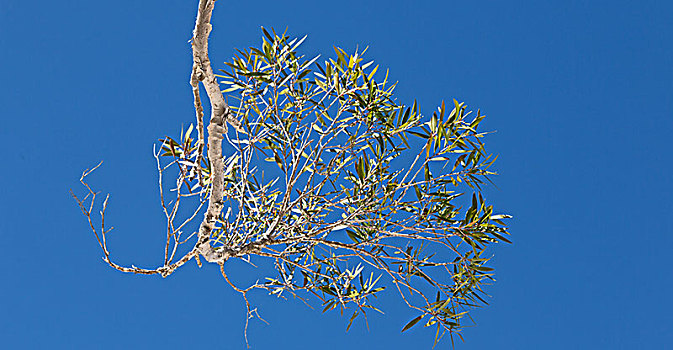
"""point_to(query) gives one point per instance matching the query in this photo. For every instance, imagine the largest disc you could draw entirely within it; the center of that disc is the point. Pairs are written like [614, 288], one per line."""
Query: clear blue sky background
[580, 93]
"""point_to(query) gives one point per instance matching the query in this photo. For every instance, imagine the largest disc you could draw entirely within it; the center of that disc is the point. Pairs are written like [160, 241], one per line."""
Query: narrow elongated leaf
[278, 160]
[412, 323]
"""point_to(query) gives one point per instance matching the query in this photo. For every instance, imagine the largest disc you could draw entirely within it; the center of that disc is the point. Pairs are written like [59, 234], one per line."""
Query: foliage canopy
[342, 190]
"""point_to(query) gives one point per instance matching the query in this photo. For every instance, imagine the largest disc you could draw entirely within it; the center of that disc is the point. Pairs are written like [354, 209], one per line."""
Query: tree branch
[348, 206]
[220, 113]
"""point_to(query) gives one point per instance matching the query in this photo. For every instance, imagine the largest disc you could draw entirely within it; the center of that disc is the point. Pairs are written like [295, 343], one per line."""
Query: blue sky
[579, 92]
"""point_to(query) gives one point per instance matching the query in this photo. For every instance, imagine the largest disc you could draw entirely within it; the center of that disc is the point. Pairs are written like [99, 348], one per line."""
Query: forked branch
[329, 181]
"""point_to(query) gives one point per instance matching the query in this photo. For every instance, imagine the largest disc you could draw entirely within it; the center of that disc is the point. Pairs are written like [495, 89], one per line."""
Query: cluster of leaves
[343, 188]
[185, 153]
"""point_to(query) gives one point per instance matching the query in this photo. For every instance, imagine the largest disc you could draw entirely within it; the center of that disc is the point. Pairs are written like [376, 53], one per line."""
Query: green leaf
[355, 314]
[317, 128]
[327, 290]
[445, 304]
[477, 120]
[278, 160]
[340, 55]
[360, 168]
[234, 87]
[329, 304]
[189, 131]
[418, 134]
[418, 192]
[483, 268]
[268, 35]
[412, 323]
[500, 237]
[500, 216]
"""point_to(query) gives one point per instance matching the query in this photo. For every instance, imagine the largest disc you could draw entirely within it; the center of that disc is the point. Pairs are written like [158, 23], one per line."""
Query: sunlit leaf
[412, 323]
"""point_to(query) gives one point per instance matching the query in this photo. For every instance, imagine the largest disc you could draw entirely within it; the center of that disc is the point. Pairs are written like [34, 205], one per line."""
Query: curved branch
[219, 116]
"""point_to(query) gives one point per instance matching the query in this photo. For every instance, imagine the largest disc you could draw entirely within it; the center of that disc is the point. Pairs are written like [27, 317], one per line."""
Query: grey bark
[219, 116]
